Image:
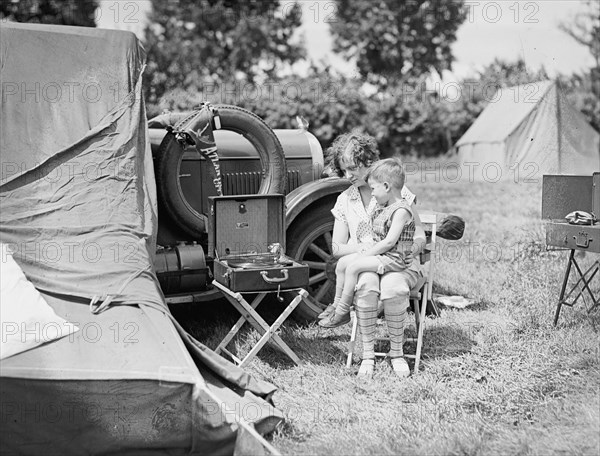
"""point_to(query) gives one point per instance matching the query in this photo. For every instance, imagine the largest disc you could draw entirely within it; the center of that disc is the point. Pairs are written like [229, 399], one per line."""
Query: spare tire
[170, 155]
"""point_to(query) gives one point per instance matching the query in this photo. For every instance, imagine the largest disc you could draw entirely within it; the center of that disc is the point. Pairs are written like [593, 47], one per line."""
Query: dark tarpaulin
[78, 210]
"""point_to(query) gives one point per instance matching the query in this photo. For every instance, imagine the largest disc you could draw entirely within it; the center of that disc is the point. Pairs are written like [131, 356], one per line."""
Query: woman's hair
[389, 170]
[359, 147]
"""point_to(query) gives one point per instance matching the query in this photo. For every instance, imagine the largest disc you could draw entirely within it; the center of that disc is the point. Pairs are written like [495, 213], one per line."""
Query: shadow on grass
[313, 350]
[440, 342]
[210, 322]
[201, 319]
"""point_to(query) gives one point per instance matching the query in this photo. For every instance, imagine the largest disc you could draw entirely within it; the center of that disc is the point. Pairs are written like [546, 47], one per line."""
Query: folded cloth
[581, 218]
[26, 319]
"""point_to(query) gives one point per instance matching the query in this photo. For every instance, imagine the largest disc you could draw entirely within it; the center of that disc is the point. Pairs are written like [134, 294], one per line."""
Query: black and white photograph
[300, 227]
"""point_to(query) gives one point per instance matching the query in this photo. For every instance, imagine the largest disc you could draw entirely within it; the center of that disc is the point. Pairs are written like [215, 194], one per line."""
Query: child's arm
[400, 218]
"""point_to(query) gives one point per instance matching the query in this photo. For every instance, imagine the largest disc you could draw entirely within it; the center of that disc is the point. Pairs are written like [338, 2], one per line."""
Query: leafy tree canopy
[391, 40]
[585, 28]
[67, 12]
[584, 90]
[193, 43]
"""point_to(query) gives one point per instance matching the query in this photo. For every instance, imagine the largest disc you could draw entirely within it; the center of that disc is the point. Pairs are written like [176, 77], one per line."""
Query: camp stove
[562, 195]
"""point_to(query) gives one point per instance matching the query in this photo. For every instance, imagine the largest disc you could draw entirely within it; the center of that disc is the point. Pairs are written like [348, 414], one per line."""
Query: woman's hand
[408, 258]
[413, 253]
[364, 246]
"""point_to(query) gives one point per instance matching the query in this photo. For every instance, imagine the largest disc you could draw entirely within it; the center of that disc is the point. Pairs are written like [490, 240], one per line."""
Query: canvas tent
[78, 212]
[526, 131]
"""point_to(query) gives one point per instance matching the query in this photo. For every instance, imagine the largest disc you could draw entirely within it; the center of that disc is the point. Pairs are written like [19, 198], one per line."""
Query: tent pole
[558, 121]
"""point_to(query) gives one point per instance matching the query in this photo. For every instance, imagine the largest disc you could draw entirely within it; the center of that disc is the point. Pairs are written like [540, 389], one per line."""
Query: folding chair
[249, 314]
[419, 295]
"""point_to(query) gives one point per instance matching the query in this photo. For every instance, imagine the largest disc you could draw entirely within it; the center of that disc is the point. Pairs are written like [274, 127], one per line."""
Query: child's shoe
[367, 366]
[335, 320]
[400, 367]
[327, 312]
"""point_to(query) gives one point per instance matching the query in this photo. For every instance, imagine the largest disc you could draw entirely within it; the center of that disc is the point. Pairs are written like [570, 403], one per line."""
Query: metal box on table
[562, 195]
[244, 231]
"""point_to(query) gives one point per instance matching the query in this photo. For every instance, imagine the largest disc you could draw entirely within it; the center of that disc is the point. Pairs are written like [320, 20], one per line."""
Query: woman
[350, 156]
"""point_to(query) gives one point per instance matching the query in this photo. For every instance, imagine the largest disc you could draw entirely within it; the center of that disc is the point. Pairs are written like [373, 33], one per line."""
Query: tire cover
[170, 154]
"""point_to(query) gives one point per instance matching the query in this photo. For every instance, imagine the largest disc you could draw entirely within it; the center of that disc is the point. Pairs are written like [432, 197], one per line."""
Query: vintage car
[249, 153]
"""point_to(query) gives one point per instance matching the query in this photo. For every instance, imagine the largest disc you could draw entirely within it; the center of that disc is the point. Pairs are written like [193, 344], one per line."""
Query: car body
[309, 199]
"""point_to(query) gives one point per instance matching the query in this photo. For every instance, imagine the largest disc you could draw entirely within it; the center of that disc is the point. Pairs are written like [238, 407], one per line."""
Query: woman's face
[355, 173]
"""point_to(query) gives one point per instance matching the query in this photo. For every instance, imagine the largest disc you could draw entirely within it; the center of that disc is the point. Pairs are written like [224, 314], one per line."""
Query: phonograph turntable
[259, 261]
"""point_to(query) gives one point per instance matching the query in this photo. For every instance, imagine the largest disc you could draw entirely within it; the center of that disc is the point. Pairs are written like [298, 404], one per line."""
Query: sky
[494, 29]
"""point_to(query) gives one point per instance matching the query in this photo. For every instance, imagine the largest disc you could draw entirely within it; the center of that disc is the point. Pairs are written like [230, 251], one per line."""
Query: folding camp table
[582, 285]
[249, 314]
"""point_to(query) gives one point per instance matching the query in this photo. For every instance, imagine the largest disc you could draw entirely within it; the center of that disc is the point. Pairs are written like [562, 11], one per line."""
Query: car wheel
[309, 241]
[170, 154]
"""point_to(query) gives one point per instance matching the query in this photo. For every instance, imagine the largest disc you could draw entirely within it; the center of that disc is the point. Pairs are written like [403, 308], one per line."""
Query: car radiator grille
[249, 183]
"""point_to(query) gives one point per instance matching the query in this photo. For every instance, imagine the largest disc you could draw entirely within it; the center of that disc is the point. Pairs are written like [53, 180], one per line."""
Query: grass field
[496, 378]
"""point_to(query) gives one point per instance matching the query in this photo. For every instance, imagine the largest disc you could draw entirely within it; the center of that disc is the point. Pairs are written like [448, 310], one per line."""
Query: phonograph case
[243, 230]
[562, 194]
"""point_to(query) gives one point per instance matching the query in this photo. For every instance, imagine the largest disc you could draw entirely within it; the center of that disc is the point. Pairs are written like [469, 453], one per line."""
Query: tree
[583, 90]
[421, 119]
[196, 44]
[332, 104]
[69, 12]
[581, 93]
[392, 40]
[585, 29]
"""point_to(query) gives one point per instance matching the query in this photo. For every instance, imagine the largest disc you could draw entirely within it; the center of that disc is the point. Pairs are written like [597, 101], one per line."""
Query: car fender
[309, 193]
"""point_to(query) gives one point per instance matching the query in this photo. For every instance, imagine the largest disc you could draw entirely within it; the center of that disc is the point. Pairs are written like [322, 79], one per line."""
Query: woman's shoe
[335, 320]
[327, 312]
[400, 367]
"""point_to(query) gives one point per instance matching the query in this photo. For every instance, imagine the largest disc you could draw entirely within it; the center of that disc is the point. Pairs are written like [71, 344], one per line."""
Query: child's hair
[360, 147]
[388, 170]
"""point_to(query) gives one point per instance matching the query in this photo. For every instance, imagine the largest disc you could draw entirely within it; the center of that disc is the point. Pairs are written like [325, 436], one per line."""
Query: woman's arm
[339, 240]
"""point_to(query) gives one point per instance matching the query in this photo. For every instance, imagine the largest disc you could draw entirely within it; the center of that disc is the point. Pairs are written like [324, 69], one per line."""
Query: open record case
[561, 195]
[246, 237]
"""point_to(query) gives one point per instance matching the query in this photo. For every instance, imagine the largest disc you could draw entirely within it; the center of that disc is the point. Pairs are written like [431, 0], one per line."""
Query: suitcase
[247, 239]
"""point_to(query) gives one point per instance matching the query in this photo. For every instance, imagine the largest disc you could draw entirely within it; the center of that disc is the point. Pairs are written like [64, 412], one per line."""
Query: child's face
[380, 190]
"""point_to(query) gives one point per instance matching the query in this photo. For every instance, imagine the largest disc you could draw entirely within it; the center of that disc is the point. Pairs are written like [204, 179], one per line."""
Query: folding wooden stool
[249, 314]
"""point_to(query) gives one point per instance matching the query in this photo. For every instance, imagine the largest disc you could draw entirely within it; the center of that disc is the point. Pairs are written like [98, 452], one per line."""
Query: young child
[394, 227]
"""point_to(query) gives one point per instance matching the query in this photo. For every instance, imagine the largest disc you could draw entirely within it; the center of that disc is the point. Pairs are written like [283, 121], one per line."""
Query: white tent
[526, 131]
